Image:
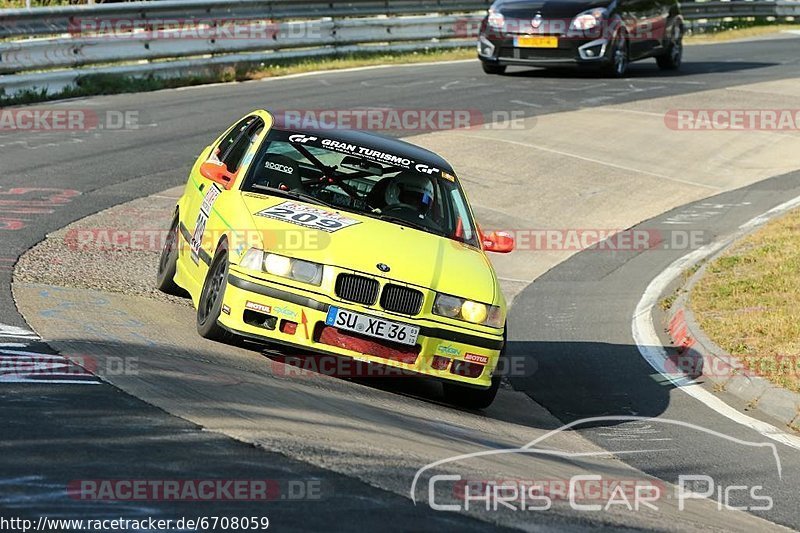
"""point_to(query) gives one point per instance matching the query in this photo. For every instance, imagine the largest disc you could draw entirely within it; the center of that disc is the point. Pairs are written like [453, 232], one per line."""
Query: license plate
[535, 41]
[372, 326]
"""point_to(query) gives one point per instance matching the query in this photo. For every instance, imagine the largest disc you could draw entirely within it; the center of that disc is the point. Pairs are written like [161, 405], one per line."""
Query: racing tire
[673, 57]
[210, 305]
[168, 263]
[497, 70]
[470, 397]
[619, 58]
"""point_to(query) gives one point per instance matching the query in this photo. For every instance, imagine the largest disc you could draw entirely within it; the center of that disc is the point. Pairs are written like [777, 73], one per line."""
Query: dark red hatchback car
[605, 34]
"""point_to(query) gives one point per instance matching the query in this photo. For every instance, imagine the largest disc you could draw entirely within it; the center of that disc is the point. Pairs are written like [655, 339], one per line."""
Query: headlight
[469, 311]
[496, 19]
[474, 312]
[588, 19]
[280, 265]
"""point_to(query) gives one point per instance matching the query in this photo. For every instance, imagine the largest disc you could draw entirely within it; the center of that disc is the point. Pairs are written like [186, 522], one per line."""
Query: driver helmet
[412, 190]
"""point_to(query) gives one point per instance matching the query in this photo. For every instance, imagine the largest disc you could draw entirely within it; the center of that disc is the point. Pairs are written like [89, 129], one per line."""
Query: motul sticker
[473, 358]
[266, 309]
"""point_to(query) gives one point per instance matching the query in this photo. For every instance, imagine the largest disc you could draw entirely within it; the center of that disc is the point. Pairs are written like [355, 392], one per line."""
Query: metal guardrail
[740, 9]
[51, 20]
[18, 56]
[50, 48]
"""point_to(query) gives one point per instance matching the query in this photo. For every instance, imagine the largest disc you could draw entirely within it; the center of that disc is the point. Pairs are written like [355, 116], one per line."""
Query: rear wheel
[673, 57]
[168, 264]
[490, 68]
[210, 305]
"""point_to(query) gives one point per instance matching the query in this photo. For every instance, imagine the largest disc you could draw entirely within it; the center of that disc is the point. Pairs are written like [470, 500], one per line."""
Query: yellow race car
[343, 243]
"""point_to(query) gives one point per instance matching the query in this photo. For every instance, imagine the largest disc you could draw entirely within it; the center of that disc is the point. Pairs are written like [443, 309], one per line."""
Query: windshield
[361, 180]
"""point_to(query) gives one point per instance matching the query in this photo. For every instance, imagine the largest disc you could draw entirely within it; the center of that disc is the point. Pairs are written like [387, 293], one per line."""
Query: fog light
[288, 327]
[439, 362]
[468, 370]
[589, 53]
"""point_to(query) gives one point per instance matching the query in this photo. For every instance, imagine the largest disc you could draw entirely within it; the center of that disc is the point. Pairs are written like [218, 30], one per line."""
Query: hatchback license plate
[372, 326]
[536, 41]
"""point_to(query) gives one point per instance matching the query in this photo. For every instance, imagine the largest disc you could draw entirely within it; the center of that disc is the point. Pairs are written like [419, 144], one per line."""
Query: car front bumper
[571, 51]
[260, 309]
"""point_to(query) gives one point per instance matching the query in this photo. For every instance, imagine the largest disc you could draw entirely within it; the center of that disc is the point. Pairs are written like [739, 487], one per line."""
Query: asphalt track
[587, 364]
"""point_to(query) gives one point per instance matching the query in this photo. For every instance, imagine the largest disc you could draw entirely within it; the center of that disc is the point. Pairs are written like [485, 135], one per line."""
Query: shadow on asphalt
[572, 380]
[646, 68]
[576, 380]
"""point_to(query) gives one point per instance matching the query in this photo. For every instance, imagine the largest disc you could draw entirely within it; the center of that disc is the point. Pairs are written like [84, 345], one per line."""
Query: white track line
[51, 381]
[20, 353]
[649, 344]
[590, 160]
[13, 331]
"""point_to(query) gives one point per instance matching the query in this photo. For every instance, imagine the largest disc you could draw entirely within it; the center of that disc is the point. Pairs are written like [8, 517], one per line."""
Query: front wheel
[490, 68]
[469, 397]
[618, 56]
[673, 57]
[210, 305]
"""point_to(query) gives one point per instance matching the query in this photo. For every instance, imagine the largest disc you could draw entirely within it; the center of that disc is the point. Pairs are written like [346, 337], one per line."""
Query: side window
[234, 146]
[463, 227]
[231, 137]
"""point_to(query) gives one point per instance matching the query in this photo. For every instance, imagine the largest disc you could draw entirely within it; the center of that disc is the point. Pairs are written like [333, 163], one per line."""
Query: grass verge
[95, 84]
[748, 301]
[728, 33]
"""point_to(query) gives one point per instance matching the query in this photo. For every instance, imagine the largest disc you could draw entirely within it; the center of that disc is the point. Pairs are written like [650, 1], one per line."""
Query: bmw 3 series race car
[343, 243]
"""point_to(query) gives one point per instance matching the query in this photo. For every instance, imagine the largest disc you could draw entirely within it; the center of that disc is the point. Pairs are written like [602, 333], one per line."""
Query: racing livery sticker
[266, 309]
[422, 168]
[480, 359]
[279, 168]
[367, 153]
[308, 216]
[370, 154]
[202, 219]
[446, 349]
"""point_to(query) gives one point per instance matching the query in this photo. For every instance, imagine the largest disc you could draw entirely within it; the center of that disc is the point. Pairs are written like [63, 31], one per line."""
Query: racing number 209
[308, 216]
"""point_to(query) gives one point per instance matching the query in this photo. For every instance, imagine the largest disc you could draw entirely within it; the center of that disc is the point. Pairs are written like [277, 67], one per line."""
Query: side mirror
[218, 173]
[500, 242]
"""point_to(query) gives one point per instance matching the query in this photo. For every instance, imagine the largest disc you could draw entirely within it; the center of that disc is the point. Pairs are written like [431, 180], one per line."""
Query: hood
[414, 257]
[526, 9]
